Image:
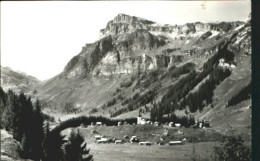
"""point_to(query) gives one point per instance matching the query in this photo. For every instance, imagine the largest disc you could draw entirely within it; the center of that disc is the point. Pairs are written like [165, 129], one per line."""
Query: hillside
[17, 81]
[140, 66]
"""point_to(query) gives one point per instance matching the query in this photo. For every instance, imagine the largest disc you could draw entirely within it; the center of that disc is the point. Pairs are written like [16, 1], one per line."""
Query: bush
[126, 101]
[111, 102]
[48, 117]
[69, 108]
[93, 110]
[126, 84]
[184, 69]
[118, 112]
[232, 148]
[135, 96]
[120, 97]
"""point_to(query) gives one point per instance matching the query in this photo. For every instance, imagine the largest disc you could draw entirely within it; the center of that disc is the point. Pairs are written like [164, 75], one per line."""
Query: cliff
[124, 24]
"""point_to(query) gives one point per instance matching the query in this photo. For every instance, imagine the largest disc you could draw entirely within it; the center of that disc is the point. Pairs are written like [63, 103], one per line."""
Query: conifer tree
[37, 131]
[2, 102]
[75, 149]
[53, 149]
[10, 112]
[25, 147]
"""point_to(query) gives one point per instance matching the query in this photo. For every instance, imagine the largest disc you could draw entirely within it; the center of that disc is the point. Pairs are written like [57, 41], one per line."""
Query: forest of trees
[184, 69]
[203, 96]
[176, 92]
[145, 80]
[173, 99]
[183, 120]
[243, 94]
[135, 102]
[26, 122]
[87, 120]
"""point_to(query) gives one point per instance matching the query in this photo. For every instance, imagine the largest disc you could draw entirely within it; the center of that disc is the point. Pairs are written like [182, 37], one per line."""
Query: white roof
[174, 142]
[104, 139]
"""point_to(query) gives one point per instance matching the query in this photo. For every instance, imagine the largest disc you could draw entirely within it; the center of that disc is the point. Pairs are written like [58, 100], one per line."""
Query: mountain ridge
[123, 23]
[112, 67]
[17, 81]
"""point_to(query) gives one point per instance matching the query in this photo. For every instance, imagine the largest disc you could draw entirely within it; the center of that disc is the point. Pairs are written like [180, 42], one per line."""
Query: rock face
[114, 54]
[124, 24]
[125, 36]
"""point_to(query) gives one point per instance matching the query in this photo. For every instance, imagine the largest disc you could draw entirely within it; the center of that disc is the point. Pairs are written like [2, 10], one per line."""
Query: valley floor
[134, 152]
[199, 146]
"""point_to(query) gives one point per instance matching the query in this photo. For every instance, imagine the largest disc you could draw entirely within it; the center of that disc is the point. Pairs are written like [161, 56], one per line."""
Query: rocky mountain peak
[129, 37]
[123, 23]
[127, 19]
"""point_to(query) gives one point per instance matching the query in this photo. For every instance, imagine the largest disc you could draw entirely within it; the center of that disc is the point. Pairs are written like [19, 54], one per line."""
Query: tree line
[155, 115]
[135, 102]
[175, 97]
[242, 95]
[87, 120]
[203, 96]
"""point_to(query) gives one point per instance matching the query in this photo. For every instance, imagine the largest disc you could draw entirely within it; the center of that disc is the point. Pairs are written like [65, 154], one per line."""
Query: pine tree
[75, 149]
[9, 117]
[53, 149]
[45, 139]
[37, 131]
[3, 98]
[25, 147]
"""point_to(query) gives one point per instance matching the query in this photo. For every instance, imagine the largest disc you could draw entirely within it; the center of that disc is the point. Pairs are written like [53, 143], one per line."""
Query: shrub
[111, 102]
[69, 108]
[184, 69]
[126, 84]
[232, 148]
[93, 110]
[48, 117]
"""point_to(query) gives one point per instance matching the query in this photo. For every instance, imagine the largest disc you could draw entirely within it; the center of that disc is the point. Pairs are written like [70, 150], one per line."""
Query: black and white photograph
[126, 81]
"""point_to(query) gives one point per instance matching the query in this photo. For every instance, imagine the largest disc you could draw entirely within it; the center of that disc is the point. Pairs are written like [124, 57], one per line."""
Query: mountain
[140, 66]
[17, 81]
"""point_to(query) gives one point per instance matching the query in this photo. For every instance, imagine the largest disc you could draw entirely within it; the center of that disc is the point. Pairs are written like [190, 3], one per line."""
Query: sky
[39, 38]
